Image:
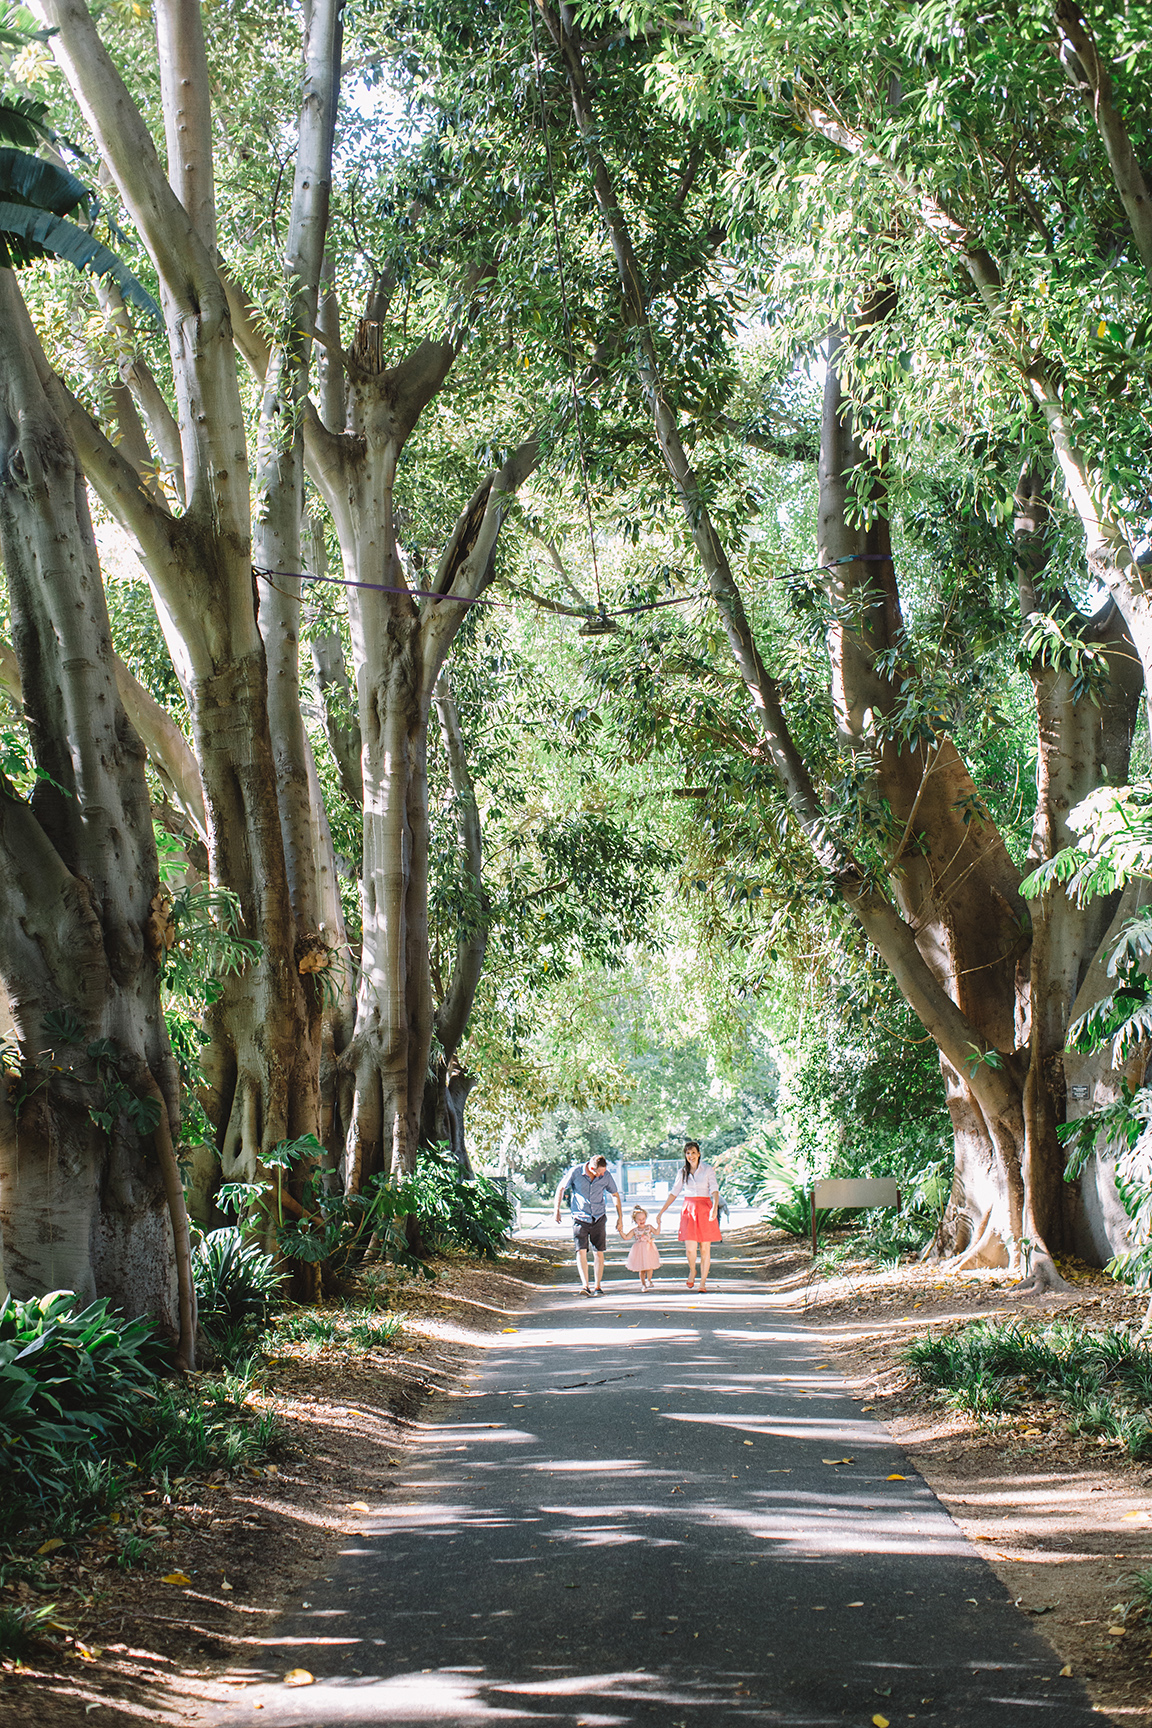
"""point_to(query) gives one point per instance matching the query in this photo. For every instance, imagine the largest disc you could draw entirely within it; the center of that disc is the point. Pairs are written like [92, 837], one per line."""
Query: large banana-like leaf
[21, 223]
[23, 121]
[26, 179]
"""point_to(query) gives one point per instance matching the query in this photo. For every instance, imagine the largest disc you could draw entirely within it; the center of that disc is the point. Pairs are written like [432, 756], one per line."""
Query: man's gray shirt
[588, 1191]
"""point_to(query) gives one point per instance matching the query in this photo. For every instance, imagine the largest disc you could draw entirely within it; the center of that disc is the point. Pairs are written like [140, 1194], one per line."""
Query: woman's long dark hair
[688, 1144]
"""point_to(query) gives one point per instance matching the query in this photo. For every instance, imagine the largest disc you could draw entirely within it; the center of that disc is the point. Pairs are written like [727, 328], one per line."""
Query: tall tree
[949, 880]
[90, 1192]
[264, 1054]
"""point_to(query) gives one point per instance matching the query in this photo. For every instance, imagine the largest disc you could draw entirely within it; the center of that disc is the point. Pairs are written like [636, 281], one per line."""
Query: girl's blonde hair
[638, 1209]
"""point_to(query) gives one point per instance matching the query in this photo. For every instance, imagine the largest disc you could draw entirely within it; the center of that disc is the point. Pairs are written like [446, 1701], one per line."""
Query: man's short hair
[600, 1163]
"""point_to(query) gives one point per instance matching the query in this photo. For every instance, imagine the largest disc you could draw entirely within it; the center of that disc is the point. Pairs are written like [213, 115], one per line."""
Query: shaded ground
[139, 1649]
[656, 1509]
[1065, 1522]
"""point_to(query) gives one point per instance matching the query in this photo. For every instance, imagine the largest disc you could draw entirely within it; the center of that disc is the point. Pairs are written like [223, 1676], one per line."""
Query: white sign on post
[842, 1193]
[839, 1194]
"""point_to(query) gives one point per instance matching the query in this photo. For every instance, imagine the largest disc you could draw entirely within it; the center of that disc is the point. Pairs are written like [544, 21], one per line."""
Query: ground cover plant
[89, 1427]
[1098, 1380]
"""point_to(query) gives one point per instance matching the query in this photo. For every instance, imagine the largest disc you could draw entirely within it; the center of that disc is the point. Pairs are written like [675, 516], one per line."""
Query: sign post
[847, 1194]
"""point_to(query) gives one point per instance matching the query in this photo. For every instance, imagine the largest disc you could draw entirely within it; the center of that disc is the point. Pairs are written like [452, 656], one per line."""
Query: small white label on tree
[1080, 1091]
[841, 1193]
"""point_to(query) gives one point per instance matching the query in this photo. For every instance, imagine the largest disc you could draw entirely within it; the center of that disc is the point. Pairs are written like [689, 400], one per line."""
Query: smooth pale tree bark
[168, 749]
[1090, 72]
[96, 1208]
[979, 1044]
[399, 645]
[448, 1085]
[951, 875]
[1014, 975]
[264, 1054]
[1083, 742]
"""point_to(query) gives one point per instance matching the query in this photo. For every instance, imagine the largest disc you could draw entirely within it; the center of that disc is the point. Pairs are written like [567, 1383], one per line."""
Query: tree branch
[1090, 74]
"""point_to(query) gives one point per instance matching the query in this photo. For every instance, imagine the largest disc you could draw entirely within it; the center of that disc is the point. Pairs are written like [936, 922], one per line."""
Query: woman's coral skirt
[697, 1223]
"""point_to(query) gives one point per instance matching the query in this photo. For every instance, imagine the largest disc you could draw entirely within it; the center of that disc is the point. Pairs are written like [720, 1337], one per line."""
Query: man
[589, 1184]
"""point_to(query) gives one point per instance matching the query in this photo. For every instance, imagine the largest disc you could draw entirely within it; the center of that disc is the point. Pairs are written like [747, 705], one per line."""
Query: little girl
[643, 1256]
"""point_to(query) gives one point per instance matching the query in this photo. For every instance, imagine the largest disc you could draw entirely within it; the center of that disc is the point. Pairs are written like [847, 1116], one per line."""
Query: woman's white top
[702, 1182]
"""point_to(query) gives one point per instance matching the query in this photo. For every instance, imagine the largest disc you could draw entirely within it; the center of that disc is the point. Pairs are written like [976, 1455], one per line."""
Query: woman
[697, 1183]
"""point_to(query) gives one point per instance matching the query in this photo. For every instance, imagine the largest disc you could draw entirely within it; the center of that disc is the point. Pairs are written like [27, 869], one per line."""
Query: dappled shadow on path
[660, 1510]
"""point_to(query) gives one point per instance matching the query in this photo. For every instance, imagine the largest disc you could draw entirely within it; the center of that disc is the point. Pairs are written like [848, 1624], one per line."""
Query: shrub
[792, 1213]
[83, 1412]
[452, 1211]
[236, 1283]
[73, 1384]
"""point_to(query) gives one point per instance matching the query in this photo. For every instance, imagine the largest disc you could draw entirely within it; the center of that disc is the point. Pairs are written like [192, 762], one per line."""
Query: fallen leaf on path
[176, 1578]
[51, 1545]
[837, 1460]
[358, 1506]
[854, 1604]
[509, 1328]
[747, 1442]
[299, 1677]
[1129, 1516]
[1117, 1631]
[897, 1478]
[880, 1722]
[1067, 1671]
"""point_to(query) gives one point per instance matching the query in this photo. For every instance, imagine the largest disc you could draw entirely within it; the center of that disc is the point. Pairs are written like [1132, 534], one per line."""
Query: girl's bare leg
[690, 1250]
[705, 1262]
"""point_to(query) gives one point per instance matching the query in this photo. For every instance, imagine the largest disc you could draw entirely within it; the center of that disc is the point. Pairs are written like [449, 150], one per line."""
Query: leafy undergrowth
[101, 1453]
[150, 1589]
[1099, 1382]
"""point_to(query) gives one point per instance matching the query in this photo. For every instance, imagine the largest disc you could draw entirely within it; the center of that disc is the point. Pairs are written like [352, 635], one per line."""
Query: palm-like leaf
[21, 226]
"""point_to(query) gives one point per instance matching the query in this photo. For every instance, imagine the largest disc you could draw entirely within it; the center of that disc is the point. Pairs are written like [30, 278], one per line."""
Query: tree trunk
[86, 1202]
[448, 1085]
[263, 1059]
[400, 641]
[1084, 740]
[952, 877]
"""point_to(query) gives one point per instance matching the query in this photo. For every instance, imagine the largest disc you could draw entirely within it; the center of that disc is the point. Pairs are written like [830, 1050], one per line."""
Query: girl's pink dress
[644, 1256]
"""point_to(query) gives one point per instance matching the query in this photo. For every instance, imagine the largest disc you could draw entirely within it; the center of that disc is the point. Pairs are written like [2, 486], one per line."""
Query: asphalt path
[662, 1510]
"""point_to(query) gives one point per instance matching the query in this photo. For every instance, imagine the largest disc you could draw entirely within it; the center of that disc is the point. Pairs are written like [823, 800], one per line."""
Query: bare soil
[151, 1644]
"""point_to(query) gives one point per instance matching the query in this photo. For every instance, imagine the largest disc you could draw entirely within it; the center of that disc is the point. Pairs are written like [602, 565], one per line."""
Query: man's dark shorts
[592, 1234]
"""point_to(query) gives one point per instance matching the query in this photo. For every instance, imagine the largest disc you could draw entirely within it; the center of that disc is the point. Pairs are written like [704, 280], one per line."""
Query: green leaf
[73, 246]
[26, 179]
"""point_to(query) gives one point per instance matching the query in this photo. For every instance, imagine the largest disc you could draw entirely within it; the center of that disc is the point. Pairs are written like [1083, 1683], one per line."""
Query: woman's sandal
[703, 1289]
[690, 1283]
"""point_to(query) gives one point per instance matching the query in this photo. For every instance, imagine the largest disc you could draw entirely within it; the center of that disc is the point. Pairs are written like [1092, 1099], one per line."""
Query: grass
[350, 1324]
[22, 1624]
[885, 1238]
[1102, 1380]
